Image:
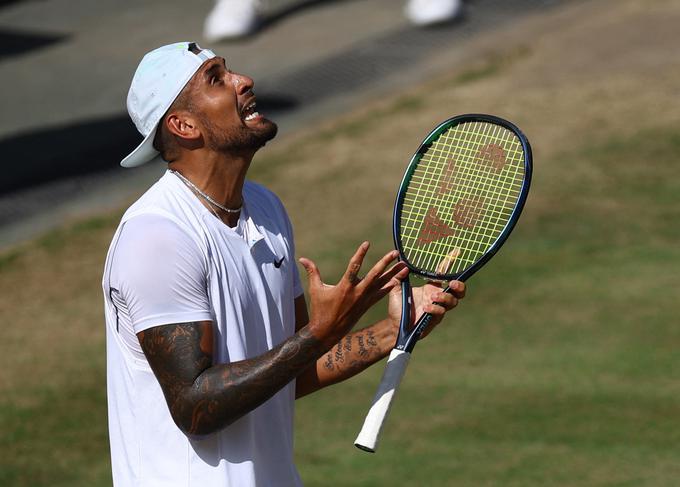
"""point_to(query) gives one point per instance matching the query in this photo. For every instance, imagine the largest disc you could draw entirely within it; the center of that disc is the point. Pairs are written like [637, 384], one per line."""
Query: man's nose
[242, 83]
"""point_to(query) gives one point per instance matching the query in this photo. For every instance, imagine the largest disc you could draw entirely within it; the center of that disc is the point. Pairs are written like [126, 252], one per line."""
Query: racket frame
[407, 340]
[424, 146]
[369, 435]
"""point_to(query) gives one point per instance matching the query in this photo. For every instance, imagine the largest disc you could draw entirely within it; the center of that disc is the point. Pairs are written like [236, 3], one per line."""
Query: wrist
[385, 334]
[325, 339]
[308, 338]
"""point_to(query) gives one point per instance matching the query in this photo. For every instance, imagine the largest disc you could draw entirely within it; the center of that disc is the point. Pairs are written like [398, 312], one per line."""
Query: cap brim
[143, 153]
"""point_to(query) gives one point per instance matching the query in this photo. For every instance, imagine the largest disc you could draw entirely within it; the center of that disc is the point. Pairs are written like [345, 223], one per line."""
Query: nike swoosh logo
[277, 263]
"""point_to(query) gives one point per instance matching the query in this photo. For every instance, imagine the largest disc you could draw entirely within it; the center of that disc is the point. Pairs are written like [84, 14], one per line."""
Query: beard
[242, 138]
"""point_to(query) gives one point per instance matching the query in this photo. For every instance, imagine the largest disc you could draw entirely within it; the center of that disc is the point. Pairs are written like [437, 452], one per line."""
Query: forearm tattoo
[204, 398]
[353, 353]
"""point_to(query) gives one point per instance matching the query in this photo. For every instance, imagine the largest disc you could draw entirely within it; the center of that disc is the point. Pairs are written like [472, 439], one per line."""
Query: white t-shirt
[172, 261]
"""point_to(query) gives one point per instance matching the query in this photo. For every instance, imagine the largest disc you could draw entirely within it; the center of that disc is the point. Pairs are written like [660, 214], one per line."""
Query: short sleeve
[160, 272]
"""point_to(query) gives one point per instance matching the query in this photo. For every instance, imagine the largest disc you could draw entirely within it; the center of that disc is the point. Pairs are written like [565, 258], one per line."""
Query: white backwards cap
[158, 81]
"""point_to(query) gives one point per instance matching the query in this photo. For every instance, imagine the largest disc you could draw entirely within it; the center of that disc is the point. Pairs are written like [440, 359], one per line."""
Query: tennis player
[209, 340]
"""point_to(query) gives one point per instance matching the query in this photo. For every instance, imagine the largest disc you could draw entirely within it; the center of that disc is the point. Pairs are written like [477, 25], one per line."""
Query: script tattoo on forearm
[343, 357]
[362, 348]
[328, 363]
[204, 398]
[370, 338]
[339, 357]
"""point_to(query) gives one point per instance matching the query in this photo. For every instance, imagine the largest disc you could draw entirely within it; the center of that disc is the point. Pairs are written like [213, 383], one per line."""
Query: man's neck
[220, 176]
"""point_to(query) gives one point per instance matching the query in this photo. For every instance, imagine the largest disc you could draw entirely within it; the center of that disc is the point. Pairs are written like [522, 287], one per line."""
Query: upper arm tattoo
[177, 354]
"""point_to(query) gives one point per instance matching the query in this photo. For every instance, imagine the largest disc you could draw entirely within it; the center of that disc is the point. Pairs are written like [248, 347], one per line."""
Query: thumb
[313, 275]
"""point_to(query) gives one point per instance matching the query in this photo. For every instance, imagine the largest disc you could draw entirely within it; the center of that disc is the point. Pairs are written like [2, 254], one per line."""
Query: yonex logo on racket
[468, 211]
[493, 154]
[434, 228]
[446, 181]
[466, 214]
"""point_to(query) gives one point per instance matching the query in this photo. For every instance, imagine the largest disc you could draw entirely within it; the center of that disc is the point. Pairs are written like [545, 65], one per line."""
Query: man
[208, 336]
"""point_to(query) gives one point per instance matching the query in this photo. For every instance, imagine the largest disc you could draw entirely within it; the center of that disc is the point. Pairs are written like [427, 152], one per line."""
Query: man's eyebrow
[209, 71]
[215, 64]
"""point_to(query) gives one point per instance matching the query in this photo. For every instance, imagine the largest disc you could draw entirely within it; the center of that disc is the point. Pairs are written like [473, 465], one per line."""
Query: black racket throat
[403, 341]
[409, 333]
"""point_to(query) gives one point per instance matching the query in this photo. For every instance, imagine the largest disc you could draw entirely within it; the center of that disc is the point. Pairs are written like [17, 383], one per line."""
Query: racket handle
[394, 371]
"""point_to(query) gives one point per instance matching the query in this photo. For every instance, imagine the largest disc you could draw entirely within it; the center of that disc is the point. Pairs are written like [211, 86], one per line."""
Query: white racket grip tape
[394, 371]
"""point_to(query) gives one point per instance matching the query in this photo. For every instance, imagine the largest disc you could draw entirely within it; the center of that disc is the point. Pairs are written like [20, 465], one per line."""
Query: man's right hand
[336, 309]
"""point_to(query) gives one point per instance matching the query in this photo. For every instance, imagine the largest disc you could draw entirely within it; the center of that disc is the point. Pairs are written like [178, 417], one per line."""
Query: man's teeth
[252, 113]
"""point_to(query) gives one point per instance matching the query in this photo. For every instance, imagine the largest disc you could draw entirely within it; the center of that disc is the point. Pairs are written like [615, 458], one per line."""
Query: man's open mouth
[250, 112]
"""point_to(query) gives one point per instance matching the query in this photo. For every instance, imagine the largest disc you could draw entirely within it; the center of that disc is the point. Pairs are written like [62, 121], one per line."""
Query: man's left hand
[429, 298]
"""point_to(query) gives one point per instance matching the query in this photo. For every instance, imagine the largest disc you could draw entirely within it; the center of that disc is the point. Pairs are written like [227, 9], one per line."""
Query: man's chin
[248, 138]
[266, 131]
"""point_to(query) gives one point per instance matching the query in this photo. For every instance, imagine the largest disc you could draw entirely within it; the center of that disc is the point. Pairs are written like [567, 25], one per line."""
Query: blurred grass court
[560, 368]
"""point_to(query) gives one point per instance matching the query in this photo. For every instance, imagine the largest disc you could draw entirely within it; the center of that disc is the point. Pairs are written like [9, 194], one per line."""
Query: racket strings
[472, 201]
[460, 197]
[466, 212]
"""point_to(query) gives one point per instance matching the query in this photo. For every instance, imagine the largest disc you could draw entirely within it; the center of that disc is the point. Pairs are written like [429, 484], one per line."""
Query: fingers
[377, 277]
[393, 277]
[313, 274]
[352, 272]
[457, 288]
[439, 303]
[377, 272]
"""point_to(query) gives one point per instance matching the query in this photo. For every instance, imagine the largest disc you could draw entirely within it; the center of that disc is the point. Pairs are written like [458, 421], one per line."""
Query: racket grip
[394, 371]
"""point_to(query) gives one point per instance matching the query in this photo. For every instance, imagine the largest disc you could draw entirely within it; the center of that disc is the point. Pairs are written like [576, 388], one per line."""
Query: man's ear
[183, 125]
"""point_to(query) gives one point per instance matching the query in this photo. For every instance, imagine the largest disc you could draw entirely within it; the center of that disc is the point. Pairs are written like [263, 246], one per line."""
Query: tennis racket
[459, 199]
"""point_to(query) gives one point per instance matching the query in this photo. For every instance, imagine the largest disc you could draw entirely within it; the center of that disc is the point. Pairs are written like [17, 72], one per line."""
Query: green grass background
[559, 368]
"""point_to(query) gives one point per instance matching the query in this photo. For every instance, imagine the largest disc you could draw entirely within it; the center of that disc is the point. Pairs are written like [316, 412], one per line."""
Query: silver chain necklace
[205, 196]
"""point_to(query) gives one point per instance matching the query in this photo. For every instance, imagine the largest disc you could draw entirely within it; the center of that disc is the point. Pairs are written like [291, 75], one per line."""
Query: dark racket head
[461, 195]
